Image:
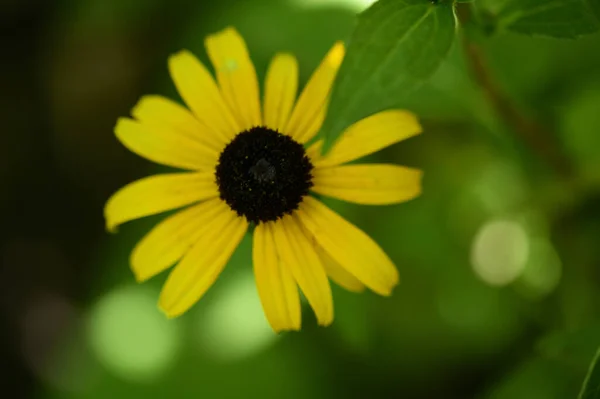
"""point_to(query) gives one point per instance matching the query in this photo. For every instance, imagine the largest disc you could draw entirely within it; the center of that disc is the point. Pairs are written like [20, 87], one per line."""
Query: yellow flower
[250, 167]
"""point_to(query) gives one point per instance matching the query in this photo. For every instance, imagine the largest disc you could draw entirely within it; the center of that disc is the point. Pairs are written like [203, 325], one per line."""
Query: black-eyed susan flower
[247, 165]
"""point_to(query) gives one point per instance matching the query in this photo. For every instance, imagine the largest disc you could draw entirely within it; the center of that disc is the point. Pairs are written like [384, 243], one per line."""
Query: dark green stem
[532, 133]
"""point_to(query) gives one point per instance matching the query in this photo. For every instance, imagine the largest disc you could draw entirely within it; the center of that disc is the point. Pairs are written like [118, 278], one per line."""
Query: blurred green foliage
[555, 18]
[591, 386]
[448, 331]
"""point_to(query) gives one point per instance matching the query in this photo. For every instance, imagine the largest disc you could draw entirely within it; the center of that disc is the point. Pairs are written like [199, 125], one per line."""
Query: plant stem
[539, 138]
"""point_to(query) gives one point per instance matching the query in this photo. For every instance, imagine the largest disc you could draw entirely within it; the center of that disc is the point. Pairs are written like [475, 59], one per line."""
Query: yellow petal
[172, 238]
[368, 184]
[200, 92]
[349, 246]
[236, 76]
[309, 112]
[338, 274]
[298, 254]
[276, 286]
[164, 146]
[314, 152]
[316, 124]
[201, 266]
[372, 134]
[156, 194]
[160, 111]
[281, 85]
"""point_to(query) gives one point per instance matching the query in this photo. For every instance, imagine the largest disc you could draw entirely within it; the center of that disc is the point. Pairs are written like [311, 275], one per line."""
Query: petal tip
[336, 54]
[416, 126]
[179, 56]
[136, 270]
[295, 326]
[139, 278]
[228, 30]
[325, 323]
[120, 122]
[285, 56]
[180, 53]
[123, 127]
[109, 222]
[357, 289]
[169, 313]
[143, 103]
[389, 290]
[419, 184]
[286, 329]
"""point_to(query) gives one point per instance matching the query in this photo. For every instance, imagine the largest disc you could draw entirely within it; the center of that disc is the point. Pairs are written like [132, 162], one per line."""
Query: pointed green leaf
[591, 385]
[396, 45]
[566, 19]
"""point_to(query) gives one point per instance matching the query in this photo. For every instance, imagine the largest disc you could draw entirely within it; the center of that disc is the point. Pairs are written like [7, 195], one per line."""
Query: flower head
[249, 165]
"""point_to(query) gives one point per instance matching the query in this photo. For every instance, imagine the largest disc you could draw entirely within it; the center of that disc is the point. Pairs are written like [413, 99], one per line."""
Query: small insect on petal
[231, 65]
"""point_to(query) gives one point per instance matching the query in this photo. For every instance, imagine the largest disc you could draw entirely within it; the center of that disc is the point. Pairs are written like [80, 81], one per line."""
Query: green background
[499, 258]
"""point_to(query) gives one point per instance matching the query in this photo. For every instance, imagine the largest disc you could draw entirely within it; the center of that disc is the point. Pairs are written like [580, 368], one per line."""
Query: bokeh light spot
[500, 251]
[499, 187]
[234, 326]
[543, 271]
[130, 336]
[354, 5]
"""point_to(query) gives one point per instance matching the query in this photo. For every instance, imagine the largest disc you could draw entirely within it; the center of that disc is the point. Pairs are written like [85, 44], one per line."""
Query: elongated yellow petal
[276, 286]
[236, 76]
[372, 134]
[156, 194]
[201, 266]
[349, 246]
[298, 254]
[309, 112]
[172, 238]
[338, 274]
[281, 85]
[164, 146]
[170, 116]
[314, 152]
[368, 184]
[316, 124]
[200, 92]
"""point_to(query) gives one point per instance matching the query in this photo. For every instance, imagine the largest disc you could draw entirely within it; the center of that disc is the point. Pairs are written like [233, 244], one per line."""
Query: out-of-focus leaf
[579, 117]
[595, 6]
[396, 45]
[535, 378]
[574, 348]
[101, 14]
[591, 385]
[555, 18]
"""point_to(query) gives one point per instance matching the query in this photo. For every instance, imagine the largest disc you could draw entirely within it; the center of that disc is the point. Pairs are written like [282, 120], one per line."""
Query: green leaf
[396, 45]
[575, 346]
[591, 385]
[595, 7]
[555, 18]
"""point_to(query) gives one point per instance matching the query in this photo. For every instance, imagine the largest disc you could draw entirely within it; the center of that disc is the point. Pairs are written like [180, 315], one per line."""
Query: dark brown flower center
[263, 174]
